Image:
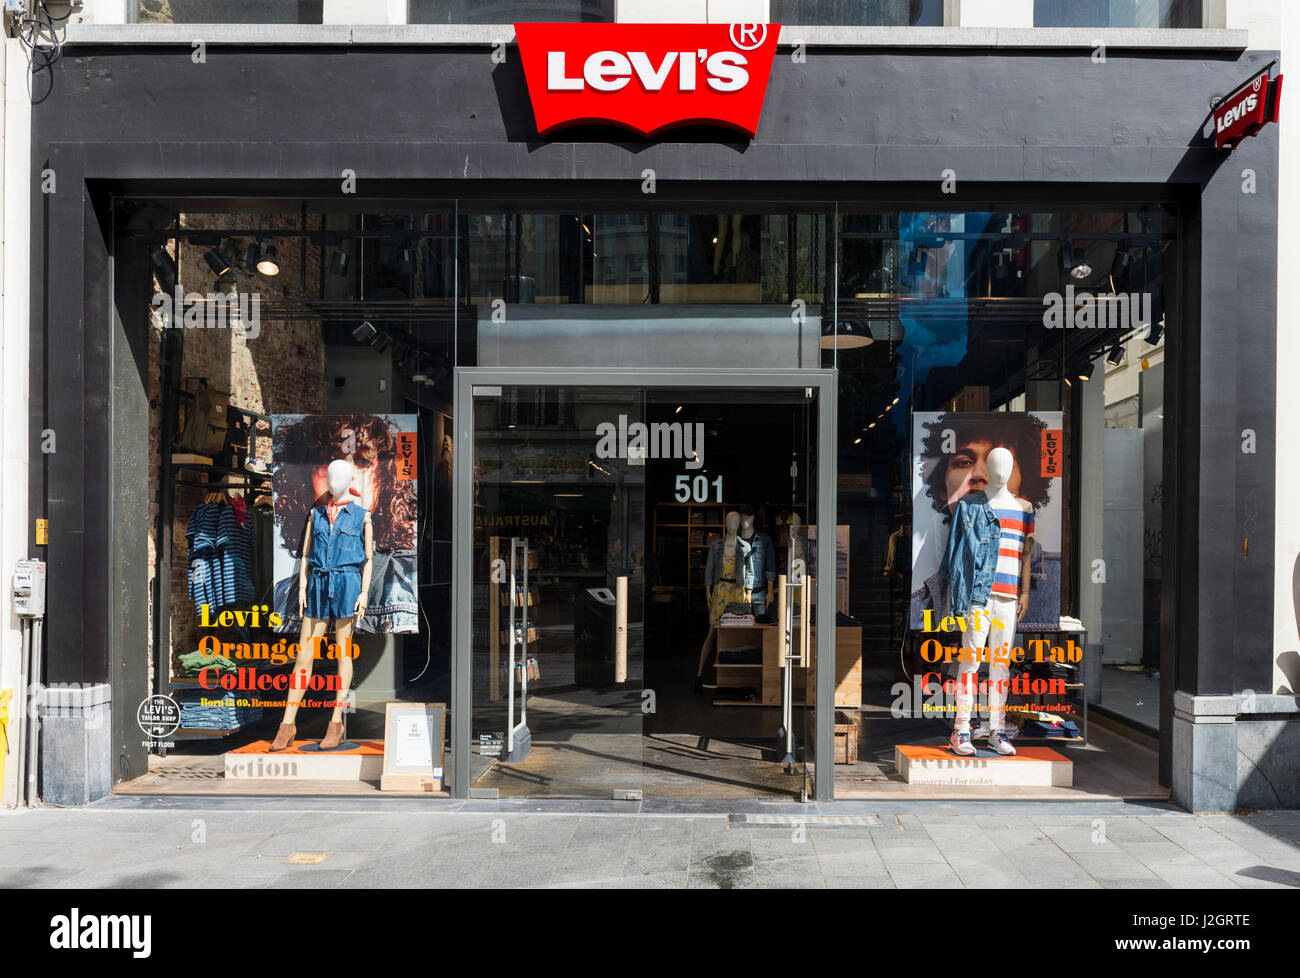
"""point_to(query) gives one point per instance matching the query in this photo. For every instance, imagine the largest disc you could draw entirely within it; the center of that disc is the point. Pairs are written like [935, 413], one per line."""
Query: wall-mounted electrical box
[29, 589]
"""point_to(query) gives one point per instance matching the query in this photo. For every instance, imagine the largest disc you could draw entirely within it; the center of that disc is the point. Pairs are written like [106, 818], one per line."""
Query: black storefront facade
[865, 142]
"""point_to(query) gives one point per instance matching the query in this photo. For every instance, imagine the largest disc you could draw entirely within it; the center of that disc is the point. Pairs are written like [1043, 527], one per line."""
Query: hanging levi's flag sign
[1247, 110]
[647, 77]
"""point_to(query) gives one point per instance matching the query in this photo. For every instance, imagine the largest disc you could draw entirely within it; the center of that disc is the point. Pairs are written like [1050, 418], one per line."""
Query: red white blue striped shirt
[1017, 524]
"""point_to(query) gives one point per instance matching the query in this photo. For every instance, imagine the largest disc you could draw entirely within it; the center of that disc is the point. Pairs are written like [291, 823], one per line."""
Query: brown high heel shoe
[284, 737]
[333, 736]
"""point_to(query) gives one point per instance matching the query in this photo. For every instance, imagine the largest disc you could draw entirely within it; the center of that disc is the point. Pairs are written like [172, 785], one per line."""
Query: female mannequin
[333, 582]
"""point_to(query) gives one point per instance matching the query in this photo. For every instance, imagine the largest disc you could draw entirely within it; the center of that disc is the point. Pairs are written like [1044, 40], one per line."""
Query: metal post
[510, 654]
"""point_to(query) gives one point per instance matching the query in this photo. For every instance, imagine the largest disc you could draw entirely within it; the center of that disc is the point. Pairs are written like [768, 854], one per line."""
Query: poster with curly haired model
[950, 459]
[382, 450]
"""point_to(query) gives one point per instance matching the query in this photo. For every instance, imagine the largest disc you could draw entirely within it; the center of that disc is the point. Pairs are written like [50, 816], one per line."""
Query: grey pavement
[319, 843]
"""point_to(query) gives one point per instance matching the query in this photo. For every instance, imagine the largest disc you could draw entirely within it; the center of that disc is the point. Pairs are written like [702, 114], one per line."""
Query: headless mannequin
[340, 477]
[1001, 464]
[993, 625]
[728, 552]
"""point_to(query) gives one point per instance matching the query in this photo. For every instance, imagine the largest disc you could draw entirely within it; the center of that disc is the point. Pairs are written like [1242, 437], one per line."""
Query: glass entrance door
[558, 577]
[642, 587]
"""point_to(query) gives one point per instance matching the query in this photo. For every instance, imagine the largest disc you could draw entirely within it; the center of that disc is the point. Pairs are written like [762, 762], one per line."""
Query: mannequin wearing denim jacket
[333, 584]
[971, 555]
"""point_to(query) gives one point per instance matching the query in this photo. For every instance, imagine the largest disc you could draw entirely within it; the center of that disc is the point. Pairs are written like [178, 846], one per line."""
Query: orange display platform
[264, 747]
[255, 762]
[1028, 767]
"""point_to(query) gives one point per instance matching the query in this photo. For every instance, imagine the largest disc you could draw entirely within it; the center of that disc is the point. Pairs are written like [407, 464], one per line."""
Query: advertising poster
[950, 455]
[382, 450]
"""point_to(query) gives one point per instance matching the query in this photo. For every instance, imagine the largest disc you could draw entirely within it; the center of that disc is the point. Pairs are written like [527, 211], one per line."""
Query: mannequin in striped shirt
[993, 626]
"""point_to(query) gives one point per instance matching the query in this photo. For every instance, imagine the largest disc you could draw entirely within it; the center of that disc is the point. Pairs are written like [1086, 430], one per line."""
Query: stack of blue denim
[219, 713]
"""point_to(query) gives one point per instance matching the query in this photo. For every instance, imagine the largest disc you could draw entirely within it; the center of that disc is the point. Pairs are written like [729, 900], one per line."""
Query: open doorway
[643, 567]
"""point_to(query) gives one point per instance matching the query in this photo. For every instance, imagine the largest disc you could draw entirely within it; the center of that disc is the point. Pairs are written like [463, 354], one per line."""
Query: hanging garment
[220, 557]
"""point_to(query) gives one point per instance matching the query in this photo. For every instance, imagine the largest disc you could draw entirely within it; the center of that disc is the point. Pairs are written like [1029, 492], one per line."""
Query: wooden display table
[765, 675]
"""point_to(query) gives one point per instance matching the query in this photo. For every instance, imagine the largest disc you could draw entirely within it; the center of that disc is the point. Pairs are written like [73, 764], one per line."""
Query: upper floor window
[1119, 13]
[854, 13]
[418, 11]
[228, 11]
[508, 11]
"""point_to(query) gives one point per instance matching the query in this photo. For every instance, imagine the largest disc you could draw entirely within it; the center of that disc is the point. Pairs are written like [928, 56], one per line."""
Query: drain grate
[808, 821]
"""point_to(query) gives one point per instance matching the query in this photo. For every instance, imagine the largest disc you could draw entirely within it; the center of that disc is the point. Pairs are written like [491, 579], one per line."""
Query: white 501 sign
[696, 490]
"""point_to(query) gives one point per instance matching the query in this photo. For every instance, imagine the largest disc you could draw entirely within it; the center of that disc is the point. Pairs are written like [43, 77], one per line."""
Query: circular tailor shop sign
[158, 717]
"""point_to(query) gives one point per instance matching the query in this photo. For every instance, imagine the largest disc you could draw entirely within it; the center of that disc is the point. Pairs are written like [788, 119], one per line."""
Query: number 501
[697, 490]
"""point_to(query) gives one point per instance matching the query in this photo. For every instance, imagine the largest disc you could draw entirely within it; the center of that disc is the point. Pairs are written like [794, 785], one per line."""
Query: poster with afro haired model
[382, 450]
[949, 460]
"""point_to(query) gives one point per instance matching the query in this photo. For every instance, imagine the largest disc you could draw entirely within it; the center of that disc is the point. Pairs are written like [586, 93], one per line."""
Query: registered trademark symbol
[749, 32]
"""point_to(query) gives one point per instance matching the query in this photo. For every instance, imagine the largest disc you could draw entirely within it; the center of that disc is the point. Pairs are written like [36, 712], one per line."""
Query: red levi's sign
[647, 77]
[1245, 112]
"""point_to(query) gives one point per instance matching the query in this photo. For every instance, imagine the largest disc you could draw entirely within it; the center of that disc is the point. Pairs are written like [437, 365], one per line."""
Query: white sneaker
[999, 742]
[959, 743]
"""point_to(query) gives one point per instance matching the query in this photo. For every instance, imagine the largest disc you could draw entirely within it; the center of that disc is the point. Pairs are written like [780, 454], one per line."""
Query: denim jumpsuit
[338, 551]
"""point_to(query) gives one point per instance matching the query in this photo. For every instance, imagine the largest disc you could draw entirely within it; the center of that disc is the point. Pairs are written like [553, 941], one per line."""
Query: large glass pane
[559, 557]
[1042, 334]
[1118, 13]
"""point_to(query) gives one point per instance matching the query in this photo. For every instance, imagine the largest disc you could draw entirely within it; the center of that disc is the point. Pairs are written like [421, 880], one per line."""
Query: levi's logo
[647, 77]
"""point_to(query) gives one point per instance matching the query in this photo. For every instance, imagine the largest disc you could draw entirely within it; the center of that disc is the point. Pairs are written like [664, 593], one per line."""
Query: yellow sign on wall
[42, 533]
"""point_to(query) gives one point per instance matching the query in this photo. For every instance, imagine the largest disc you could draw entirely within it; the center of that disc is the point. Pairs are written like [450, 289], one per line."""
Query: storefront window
[859, 13]
[1007, 362]
[300, 370]
[1118, 13]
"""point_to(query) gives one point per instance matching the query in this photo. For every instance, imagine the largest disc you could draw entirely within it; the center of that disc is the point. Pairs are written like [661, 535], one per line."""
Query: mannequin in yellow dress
[727, 589]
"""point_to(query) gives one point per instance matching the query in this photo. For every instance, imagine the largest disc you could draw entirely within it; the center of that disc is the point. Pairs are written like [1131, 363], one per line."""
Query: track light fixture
[1085, 371]
[267, 263]
[164, 267]
[216, 261]
[364, 333]
[1116, 355]
[1156, 333]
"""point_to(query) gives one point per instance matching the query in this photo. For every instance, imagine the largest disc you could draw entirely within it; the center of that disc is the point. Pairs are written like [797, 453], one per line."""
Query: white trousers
[989, 627]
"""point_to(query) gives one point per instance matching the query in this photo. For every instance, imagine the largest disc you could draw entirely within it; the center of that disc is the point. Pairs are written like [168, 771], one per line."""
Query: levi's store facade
[650, 413]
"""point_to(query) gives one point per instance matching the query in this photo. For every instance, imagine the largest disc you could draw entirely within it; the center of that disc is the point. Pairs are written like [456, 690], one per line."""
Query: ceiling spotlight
[1074, 262]
[267, 264]
[1156, 333]
[339, 263]
[364, 333]
[216, 261]
[1086, 371]
[858, 440]
[165, 267]
[1066, 378]
[851, 336]
[1116, 355]
[251, 256]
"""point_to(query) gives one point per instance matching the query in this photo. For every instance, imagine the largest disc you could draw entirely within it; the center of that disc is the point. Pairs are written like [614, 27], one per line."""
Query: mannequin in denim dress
[333, 582]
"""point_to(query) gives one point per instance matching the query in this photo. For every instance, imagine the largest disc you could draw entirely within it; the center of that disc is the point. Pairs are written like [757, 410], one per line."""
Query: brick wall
[281, 371]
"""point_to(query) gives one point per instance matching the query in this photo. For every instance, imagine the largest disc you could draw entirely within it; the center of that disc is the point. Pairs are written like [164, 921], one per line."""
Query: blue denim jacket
[755, 559]
[971, 555]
